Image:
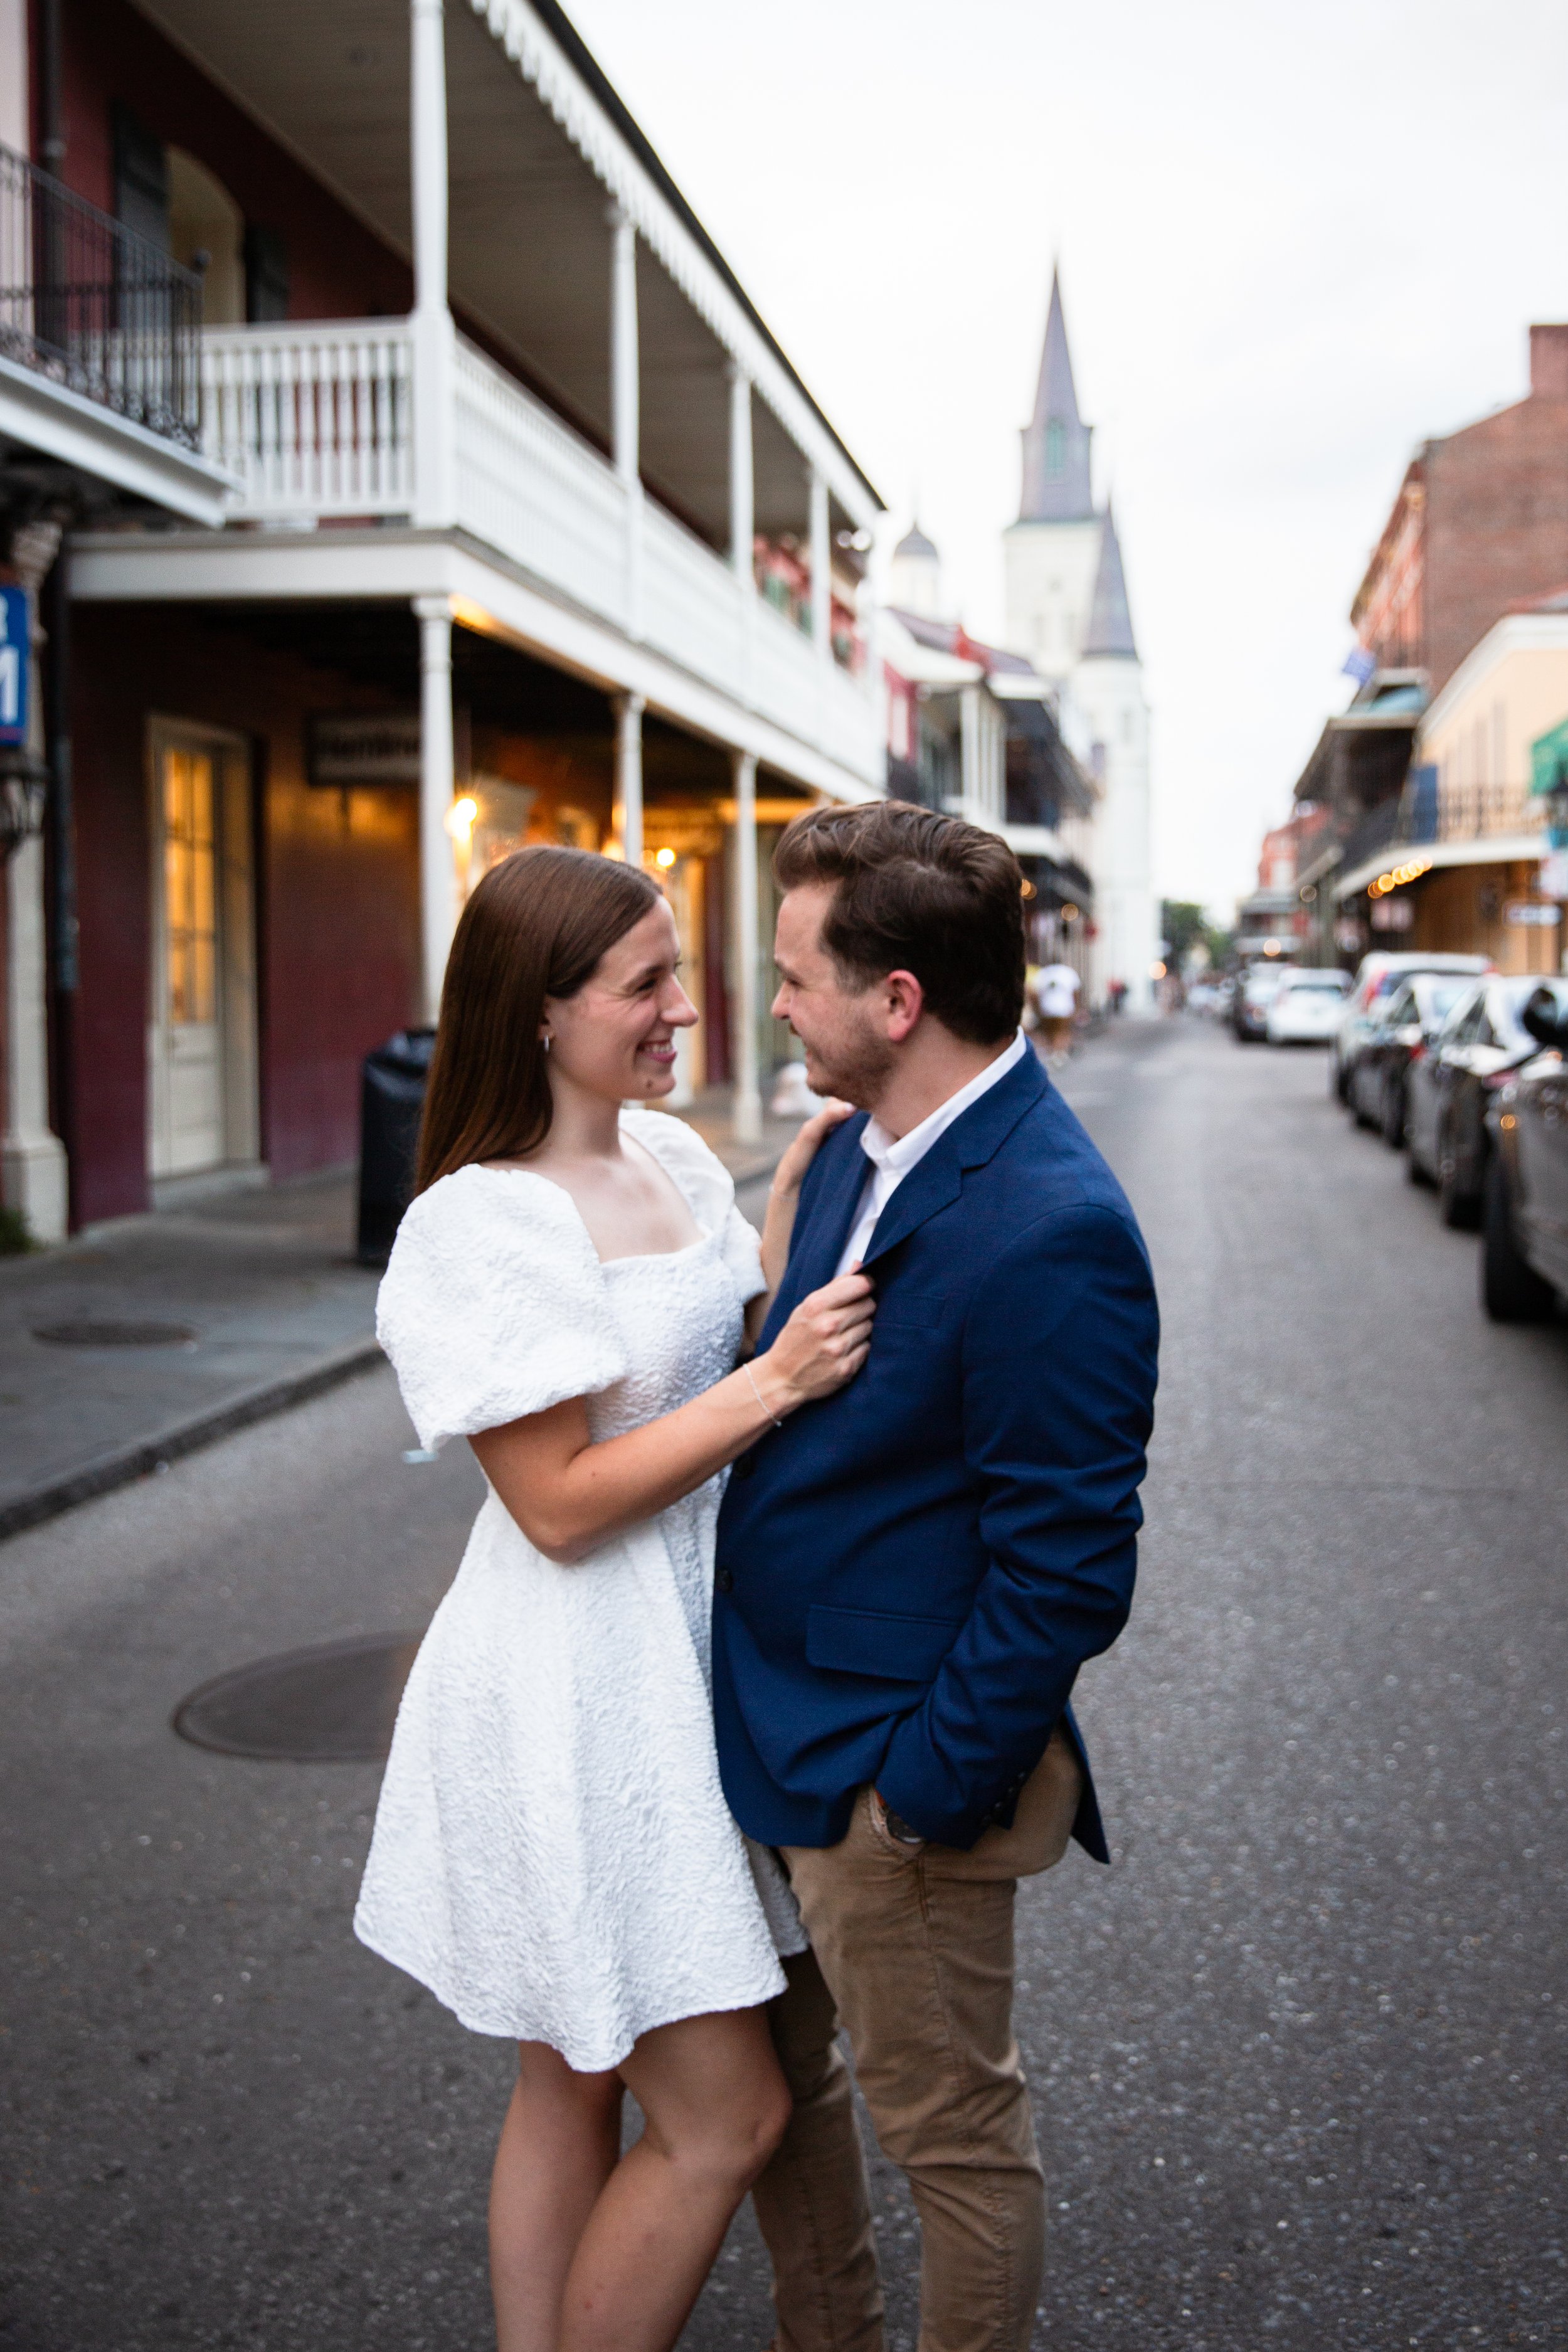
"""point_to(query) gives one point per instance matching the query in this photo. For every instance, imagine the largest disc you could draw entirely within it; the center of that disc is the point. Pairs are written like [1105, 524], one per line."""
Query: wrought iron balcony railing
[87, 303]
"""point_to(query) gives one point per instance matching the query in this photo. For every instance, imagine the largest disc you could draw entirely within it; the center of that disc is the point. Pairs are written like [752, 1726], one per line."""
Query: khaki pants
[912, 1952]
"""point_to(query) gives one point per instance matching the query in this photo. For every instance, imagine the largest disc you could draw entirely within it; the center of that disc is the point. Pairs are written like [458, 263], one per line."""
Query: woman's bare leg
[558, 2147]
[715, 2105]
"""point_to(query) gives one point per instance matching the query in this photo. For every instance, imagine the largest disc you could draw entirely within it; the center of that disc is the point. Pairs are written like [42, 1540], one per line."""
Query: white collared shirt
[892, 1158]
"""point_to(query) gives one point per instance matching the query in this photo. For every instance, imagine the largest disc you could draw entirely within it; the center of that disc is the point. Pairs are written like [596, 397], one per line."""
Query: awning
[1549, 758]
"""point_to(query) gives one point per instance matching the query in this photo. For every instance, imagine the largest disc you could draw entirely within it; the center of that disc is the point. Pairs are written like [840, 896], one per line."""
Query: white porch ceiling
[529, 262]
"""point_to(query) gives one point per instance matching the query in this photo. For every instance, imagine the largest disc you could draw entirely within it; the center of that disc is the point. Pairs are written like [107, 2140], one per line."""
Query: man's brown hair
[913, 891]
[535, 927]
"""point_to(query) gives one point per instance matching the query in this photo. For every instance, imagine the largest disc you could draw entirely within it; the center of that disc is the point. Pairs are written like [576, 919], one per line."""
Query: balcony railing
[1473, 812]
[317, 421]
[1429, 811]
[88, 304]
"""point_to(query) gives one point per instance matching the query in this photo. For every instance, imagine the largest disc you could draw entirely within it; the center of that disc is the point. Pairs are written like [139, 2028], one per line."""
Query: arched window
[1056, 445]
[204, 219]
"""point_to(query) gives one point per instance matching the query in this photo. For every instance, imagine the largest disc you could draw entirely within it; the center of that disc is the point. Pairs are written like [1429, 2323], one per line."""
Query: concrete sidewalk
[139, 1341]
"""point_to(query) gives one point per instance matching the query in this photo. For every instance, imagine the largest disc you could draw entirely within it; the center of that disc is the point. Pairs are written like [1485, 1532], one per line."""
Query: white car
[1306, 1011]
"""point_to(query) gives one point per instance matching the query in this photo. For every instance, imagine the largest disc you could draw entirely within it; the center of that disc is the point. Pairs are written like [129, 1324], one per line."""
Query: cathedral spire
[1056, 439]
[1109, 630]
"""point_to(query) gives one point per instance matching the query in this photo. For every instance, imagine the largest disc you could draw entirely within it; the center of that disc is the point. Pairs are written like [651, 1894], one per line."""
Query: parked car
[1255, 991]
[1524, 1253]
[1408, 1022]
[1305, 1011]
[1450, 1089]
[1204, 996]
[1377, 975]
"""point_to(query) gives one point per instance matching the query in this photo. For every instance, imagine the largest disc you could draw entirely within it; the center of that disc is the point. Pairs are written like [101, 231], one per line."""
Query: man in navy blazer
[910, 1573]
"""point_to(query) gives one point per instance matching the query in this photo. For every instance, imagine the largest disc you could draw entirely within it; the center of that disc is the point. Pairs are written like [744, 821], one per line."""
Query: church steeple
[1057, 486]
[1109, 630]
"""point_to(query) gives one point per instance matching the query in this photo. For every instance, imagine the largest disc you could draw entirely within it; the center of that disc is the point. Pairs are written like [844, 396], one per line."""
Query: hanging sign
[15, 665]
[363, 746]
[1531, 915]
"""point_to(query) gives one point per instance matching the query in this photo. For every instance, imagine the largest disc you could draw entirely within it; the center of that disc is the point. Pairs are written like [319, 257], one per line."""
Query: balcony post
[438, 861]
[747, 1111]
[821, 571]
[624, 399]
[628, 818]
[435, 485]
[33, 1176]
[742, 499]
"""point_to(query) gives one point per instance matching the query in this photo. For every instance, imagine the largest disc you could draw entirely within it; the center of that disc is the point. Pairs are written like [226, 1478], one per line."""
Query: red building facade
[1480, 520]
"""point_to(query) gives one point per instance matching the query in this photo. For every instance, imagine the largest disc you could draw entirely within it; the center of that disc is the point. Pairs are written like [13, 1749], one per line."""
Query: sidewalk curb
[124, 1464]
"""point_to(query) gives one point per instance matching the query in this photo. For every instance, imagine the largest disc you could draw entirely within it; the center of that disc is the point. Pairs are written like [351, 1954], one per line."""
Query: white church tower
[1067, 609]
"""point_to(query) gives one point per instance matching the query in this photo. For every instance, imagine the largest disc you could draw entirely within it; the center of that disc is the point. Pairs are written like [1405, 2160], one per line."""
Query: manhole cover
[334, 1704]
[115, 1334]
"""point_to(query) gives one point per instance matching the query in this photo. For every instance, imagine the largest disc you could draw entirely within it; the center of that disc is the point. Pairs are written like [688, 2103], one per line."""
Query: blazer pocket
[923, 1311]
[863, 1641]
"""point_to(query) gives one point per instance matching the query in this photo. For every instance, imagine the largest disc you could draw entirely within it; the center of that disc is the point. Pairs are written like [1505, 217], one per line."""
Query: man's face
[844, 1030]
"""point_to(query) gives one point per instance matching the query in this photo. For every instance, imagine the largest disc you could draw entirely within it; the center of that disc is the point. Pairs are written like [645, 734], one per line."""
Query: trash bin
[392, 1096]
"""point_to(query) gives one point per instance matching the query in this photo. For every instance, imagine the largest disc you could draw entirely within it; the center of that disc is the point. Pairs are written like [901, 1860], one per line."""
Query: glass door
[201, 1055]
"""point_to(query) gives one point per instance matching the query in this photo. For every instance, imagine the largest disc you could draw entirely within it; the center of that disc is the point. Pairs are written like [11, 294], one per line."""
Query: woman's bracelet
[760, 1398]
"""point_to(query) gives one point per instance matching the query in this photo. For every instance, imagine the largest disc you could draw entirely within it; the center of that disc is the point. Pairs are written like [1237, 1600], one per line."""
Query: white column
[435, 469]
[628, 776]
[33, 1176]
[625, 401]
[970, 785]
[748, 1101]
[821, 569]
[438, 861]
[742, 499]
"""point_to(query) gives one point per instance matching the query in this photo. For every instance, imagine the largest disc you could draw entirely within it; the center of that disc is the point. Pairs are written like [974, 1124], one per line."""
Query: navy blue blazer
[910, 1573]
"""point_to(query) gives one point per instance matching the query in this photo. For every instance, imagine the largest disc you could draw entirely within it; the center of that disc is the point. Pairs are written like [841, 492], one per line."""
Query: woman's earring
[544, 1041]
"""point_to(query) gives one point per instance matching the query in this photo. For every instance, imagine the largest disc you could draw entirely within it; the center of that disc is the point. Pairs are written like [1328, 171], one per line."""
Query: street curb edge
[126, 1463]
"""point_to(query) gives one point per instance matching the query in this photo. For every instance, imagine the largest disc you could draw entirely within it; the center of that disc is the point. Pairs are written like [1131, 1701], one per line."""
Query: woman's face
[616, 1038]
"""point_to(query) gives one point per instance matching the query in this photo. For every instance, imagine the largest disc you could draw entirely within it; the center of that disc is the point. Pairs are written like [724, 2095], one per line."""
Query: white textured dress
[553, 1853]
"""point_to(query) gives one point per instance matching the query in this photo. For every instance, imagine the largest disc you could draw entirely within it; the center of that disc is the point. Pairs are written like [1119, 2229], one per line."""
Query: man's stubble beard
[856, 1071]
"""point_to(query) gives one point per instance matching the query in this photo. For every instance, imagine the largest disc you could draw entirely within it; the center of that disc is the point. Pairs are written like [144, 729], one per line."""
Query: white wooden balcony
[319, 423]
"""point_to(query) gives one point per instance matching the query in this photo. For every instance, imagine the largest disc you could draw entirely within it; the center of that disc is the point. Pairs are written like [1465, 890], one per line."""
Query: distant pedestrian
[553, 1853]
[1116, 994]
[1056, 999]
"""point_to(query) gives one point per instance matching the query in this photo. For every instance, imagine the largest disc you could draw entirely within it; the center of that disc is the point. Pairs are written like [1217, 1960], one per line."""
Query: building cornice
[76, 431]
[1516, 633]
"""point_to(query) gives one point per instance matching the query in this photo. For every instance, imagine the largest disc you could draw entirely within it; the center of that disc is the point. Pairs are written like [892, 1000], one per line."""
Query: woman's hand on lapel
[784, 1194]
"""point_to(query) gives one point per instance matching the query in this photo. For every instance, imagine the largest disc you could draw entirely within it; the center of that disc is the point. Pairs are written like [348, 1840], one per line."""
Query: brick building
[1480, 521]
[472, 530]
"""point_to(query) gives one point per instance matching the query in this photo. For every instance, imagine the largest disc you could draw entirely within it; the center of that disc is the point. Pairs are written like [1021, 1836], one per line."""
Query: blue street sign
[14, 665]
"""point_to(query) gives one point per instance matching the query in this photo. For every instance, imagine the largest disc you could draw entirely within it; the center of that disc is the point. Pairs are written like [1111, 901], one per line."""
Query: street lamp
[23, 790]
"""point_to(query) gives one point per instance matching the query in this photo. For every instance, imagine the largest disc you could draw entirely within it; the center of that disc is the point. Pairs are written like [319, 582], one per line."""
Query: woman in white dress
[553, 1853]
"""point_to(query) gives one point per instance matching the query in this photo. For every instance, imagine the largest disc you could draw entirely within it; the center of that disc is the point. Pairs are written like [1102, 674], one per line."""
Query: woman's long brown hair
[535, 927]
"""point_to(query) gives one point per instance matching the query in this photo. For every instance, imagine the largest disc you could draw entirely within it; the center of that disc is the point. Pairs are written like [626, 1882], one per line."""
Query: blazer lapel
[816, 1245]
[936, 1181]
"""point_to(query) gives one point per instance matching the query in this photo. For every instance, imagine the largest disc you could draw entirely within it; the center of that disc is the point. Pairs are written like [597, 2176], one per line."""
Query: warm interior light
[665, 857]
[1271, 946]
[460, 817]
[1156, 972]
[1069, 913]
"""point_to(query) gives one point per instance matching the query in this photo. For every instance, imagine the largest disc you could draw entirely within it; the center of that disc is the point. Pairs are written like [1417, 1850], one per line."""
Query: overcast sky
[1294, 241]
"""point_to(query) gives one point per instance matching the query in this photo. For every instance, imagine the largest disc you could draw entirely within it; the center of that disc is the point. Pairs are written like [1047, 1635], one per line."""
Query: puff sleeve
[742, 1252]
[493, 1305]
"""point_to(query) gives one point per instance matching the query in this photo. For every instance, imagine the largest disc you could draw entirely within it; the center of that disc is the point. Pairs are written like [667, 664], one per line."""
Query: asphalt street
[1297, 2057]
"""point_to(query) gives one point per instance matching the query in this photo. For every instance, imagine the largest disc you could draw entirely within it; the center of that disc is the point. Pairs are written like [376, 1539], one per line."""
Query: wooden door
[201, 1044]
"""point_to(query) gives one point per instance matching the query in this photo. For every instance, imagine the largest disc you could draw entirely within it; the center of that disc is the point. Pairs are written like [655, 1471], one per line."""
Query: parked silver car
[1450, 1089]
[1376, 977]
